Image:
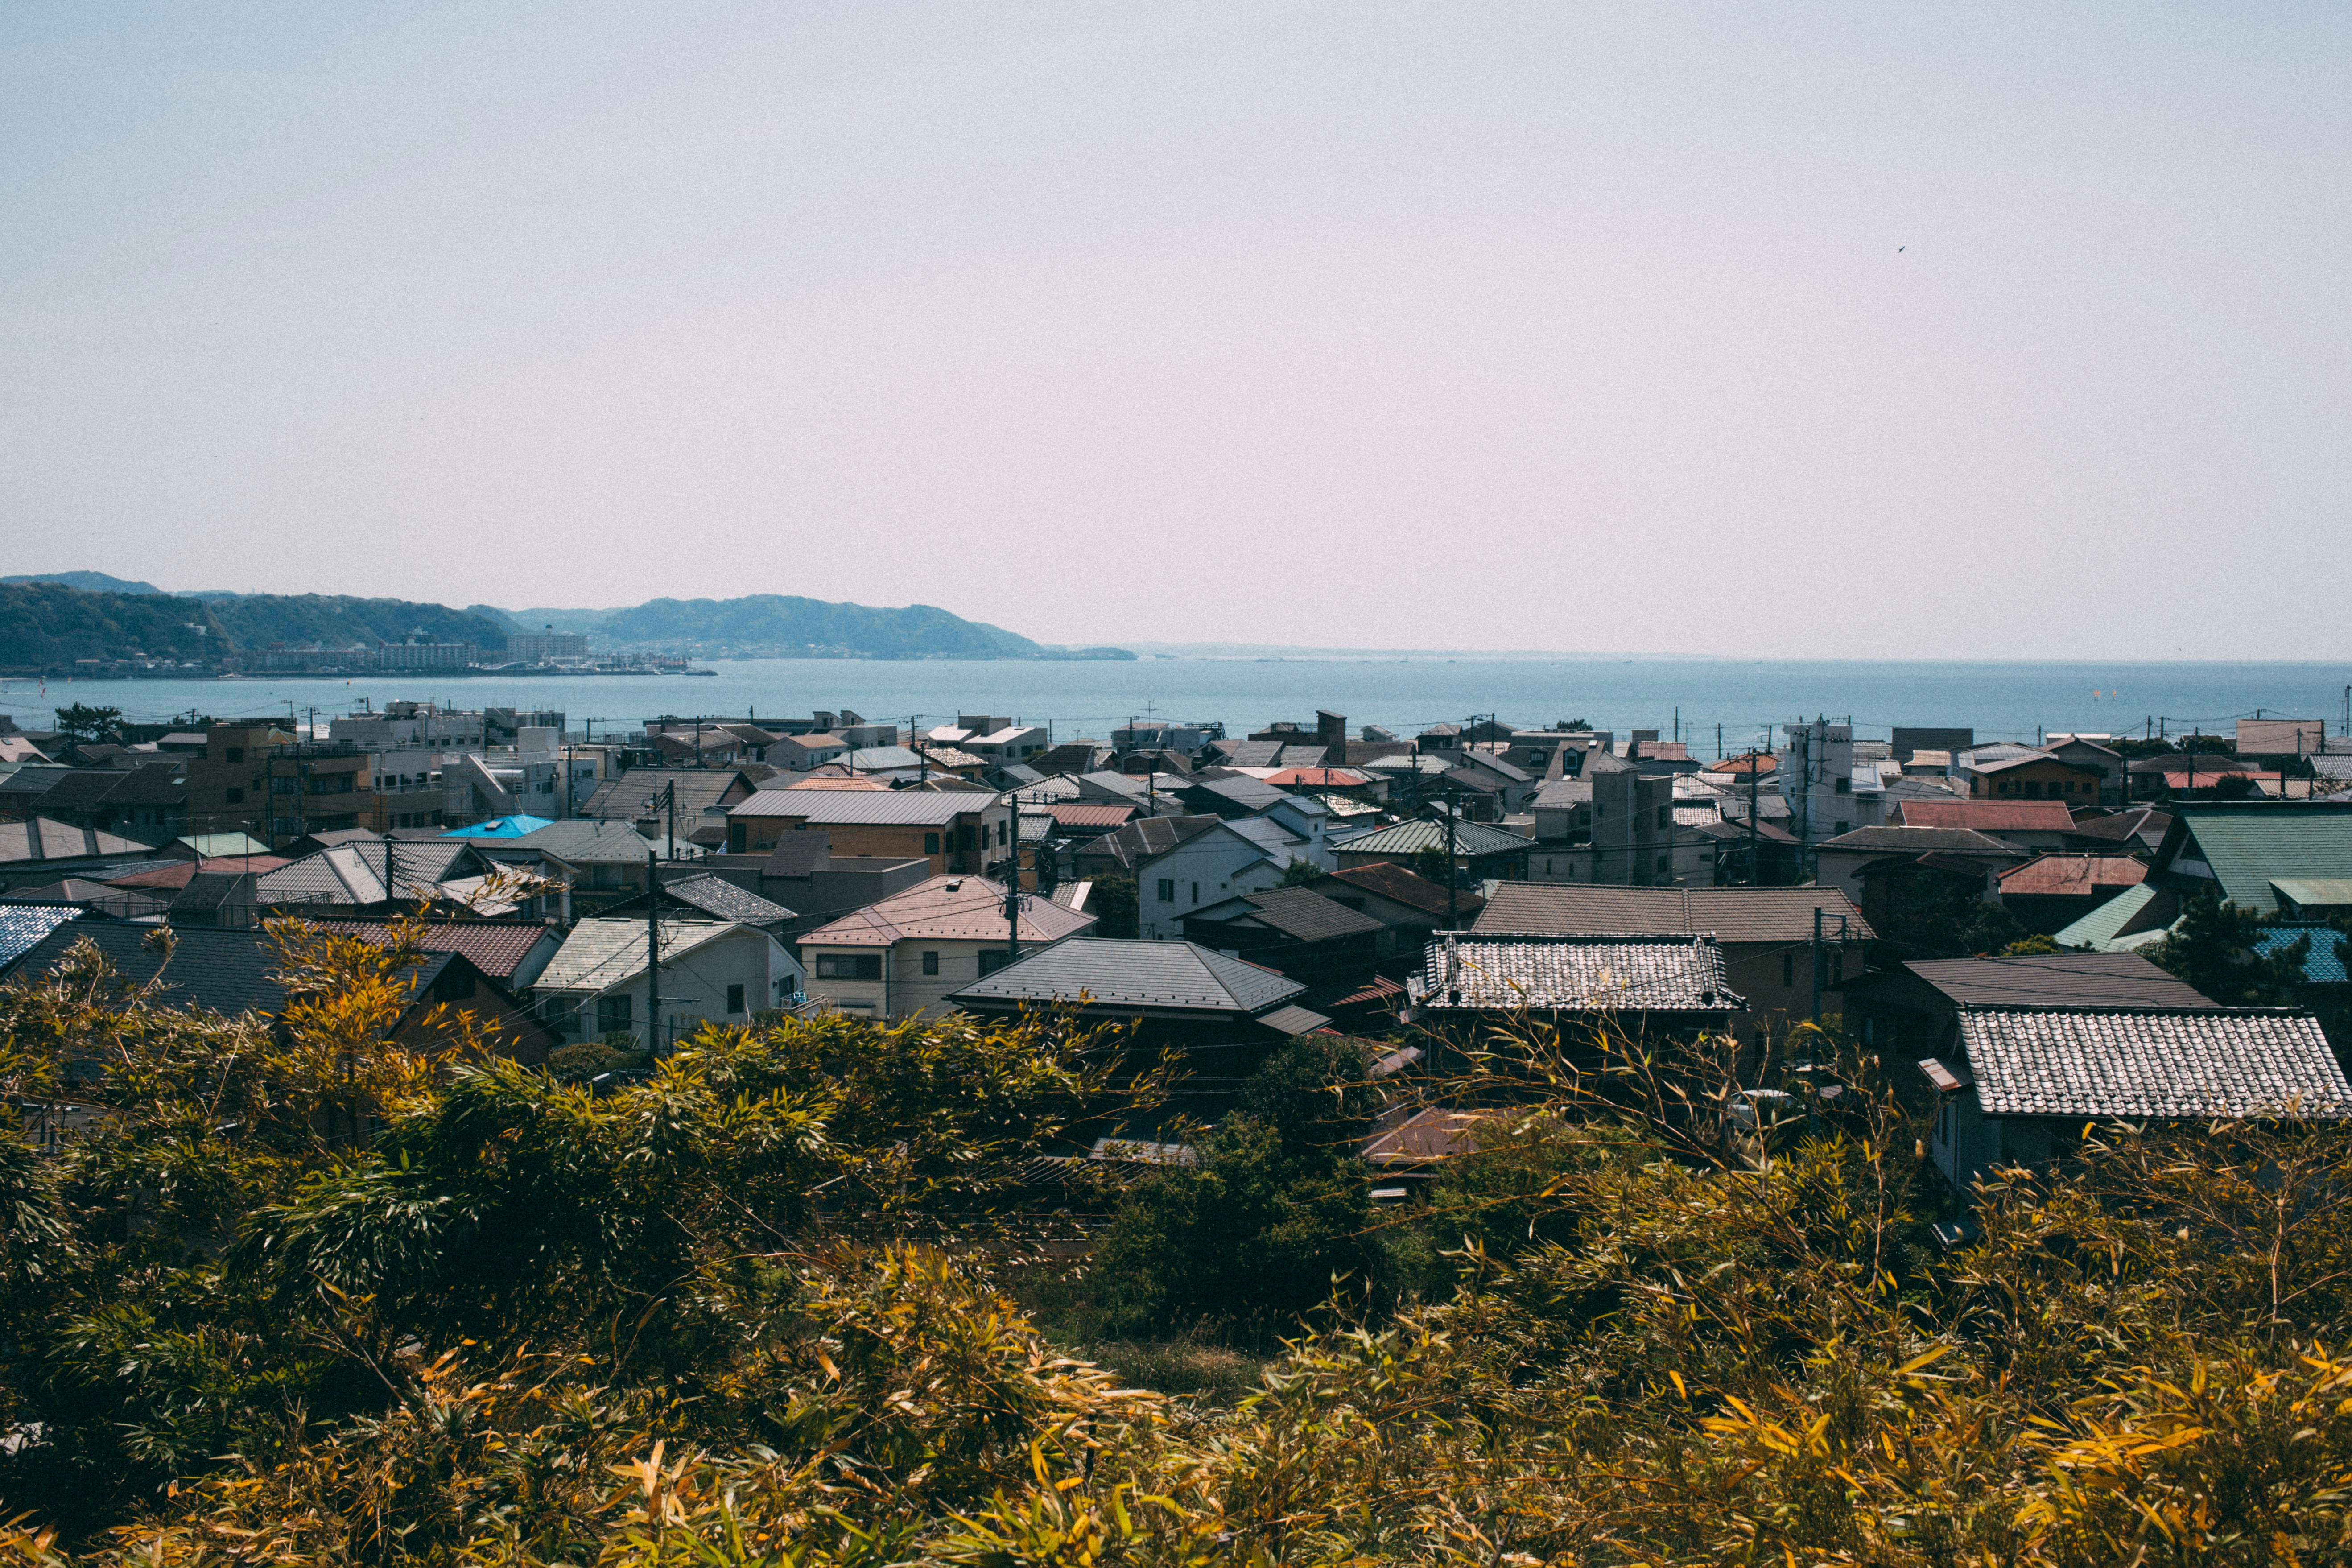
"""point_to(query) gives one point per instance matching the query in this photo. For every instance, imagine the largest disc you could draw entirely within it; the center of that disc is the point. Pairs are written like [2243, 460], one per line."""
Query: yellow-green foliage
[686, 1325]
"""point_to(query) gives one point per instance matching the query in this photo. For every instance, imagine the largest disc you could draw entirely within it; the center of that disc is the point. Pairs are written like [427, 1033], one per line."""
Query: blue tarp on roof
[502, 827]
[2323, 965]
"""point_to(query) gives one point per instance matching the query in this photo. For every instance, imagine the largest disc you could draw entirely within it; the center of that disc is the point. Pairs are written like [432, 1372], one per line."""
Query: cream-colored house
[901, 957]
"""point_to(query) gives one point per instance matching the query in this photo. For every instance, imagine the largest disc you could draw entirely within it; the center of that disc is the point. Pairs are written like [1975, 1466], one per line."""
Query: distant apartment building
[546, 647]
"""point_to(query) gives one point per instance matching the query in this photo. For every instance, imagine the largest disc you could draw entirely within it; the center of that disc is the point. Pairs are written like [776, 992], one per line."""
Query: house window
[930, 843]
[848, 966]
[456, 985]
[1842, 826]
[235, 753]
[1788, 968]
[990, 960]
[1167, 890]
[1844, 785]
[234, 797]
[930, 963]
[1196, 892]
[613, 1013]
[1666, 862]
[734, 998]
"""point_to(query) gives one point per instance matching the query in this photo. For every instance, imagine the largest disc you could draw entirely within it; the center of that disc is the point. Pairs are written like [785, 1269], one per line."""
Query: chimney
[1331, 731]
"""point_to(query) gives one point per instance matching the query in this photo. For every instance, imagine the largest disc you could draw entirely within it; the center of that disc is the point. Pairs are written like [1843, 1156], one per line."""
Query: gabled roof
[46, 838]
[497, 947]
[600, 955]
[2123, 924]
[1922, 841]
[353, 873]
[2281, 737]
[1564, 794]
[173, 875]
[2249, 844]
[2314, 892]
[1167, 976]
[2151, 1062]
[1317, 778]
[904, 807]
[514, 827]
[2058, 980]
[1090, 815]
[2132, 822]
[1300, 913]
[947, 908]
[224, 972]
[631, 796]
[1146, 837]
[217, 845]
[718, 898]
[1988, 816]
[1507, 970]
[1729, 914]
[1470, 838]
[2070, 876]
[1390, 881]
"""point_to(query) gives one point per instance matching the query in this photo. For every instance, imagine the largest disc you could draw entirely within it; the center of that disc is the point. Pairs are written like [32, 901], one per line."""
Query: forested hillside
[46, 625]
[256, 620]
[780, 1304]
[787, 626]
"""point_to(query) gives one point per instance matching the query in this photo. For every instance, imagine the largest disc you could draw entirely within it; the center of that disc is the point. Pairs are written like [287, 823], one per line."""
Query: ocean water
[1744, 697]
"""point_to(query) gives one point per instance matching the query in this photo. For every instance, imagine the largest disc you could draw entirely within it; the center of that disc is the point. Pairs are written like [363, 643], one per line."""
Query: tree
[86, 725]
[2212, 948]
[1113, 903]
[1301, 873]
[1430, 864]
[1928, 914]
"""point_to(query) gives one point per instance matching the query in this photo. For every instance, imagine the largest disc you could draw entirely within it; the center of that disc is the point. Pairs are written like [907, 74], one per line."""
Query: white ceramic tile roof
[2152, 1062]
[1574, 973]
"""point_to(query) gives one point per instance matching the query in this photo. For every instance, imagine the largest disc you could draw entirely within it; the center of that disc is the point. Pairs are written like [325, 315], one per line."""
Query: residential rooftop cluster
[1987, 911]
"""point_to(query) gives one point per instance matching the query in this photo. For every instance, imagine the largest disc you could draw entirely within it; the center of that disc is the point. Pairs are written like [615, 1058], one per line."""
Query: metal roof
[46, 838]
[497, 947]
[2058, 979]
[2155, 1062]
[219, 846]
[1729, 914]
[1172, 976]
[2108, 928]
[827, 807]
[1922, 841]
[1471, 838]
[353, 873]
[1300, 913]
[1295, 1020]
[2314, 892]
[1488, 971]
[722, 900]
[2077, 875]
[514, 827]
[2250, 844]
[1988, 816]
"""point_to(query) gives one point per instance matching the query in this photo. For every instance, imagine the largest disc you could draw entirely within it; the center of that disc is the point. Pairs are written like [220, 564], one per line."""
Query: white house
[901, 957]
[712, 970]
[1247, 855]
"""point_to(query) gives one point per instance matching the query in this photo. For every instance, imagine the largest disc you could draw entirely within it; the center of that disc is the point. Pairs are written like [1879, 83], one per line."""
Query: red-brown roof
[2072, 876]
[1090, 814]
[1317, 778]
[175, 876]
[1755, 763]
[497, 947]
[1988, 816]
[837, 781]
[1394, 882]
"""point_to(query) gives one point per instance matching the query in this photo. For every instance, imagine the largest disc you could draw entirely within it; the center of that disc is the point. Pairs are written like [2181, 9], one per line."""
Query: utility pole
[1755, 839]
[391, 888]
[653, 952]
[1012, 884]
[1817, 966]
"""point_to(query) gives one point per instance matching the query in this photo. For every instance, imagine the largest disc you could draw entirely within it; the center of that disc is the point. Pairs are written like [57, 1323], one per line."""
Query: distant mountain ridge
[52, 621]
[786, 626]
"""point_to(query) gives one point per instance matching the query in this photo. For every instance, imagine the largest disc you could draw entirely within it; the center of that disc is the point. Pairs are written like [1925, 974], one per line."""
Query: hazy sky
[2001, 331]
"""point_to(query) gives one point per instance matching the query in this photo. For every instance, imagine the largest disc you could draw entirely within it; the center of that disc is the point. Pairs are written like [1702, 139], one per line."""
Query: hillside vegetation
[786, 626]
[763, 1310]
[46, 625]
[256, 620]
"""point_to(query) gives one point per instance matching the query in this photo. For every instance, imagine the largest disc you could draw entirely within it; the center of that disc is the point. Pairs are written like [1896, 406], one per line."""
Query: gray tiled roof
[600, 955]
[717, 896]
[1178, 975]
[353, 873]
[1923, 841]
[827, 807]
[631, 796]
[1575, 974]
[224, 972]
[46, 838]
[2161, 1062]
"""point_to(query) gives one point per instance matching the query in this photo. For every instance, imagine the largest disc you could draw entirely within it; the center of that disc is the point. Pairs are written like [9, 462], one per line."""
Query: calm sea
[1743, 698]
